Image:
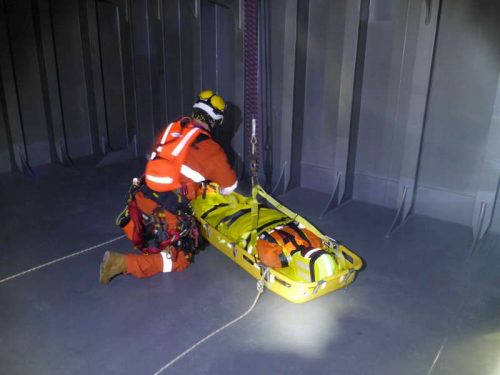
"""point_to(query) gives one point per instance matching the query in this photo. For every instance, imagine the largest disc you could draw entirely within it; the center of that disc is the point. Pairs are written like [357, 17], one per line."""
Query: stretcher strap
[265, 226]
[287, 237]
[255, 215]
[299, 231]
[262, 228]
[230, 219]
[283, 259]
[312, 261]
[212, 209]
[340, 259]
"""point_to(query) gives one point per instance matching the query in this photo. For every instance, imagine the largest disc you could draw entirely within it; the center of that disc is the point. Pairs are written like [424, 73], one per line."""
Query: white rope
[60, 259]
[260, 289]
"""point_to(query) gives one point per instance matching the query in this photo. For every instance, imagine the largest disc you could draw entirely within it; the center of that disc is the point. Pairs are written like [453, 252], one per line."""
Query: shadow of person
[225, 133]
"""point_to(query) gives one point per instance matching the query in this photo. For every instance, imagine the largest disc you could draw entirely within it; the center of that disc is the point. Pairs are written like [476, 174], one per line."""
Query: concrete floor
[418, 306]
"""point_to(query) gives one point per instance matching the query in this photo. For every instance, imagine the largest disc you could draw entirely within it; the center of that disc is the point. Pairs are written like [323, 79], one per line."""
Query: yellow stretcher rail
[280, 280]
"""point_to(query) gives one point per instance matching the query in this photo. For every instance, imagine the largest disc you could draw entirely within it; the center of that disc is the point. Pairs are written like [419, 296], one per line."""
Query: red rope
[251, 48]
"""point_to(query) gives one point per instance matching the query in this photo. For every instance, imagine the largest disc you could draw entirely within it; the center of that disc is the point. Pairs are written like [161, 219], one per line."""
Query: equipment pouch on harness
[152, 227]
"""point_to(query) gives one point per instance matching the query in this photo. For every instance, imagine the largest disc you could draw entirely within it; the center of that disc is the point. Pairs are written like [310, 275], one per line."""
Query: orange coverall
[210, 160]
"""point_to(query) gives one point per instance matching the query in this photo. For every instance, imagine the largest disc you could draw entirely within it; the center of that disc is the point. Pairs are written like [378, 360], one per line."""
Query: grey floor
[418, 307]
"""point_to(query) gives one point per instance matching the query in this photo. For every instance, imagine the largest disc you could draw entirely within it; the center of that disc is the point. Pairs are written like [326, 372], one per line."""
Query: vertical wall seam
[104, 99]
[43, 80]
[4, 114]
[164, 54]
[130, 23]
[58, 78]
[122, 79]
[216, 49]
[359, 70]
[398, 97]
[181, 76]
[426, 110]
[301, 45]
[23, 146]
[83, 15]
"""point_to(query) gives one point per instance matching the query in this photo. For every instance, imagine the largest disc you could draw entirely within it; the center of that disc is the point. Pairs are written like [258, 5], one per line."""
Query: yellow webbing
[255, 215]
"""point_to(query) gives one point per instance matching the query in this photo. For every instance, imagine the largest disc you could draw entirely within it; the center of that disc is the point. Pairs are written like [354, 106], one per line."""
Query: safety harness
[166, 165]
[158, 197]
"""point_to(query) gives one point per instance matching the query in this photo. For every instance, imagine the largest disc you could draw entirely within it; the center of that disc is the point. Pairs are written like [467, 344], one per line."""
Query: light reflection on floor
[304, 330]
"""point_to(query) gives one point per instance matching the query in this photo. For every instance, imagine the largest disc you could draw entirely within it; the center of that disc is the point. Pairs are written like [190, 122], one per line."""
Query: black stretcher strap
[232, 218]
[268, 237]
[212, 209]
[276, 221]
[313, 260]
[287, 237]
[265, 225]
[283, 260]
[300, 232]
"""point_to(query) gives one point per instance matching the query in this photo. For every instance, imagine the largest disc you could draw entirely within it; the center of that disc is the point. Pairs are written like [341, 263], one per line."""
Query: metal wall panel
[282, 38]
[297, 120]
[222, 70]
[110, 38]
[140, 20]
[313, 57]
[6, 153]
[83, 77]
[72, 79]
[173, 60]
[324, 58]
[209, 46]
[126, 59]
[186, 37]
[226, 80]
[329, 86]
[372, 172]
[397, 101]
[27, 77]
[9, 98]
[425, 128]
[278, 19]
[460, 108]
[156, 64]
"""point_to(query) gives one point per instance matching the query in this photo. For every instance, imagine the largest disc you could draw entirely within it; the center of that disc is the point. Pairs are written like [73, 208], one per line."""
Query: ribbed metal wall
[395, 103]
[389, 102]
[99, 78]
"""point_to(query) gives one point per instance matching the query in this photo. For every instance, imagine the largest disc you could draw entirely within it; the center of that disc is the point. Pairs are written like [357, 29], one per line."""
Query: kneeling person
[157, 218]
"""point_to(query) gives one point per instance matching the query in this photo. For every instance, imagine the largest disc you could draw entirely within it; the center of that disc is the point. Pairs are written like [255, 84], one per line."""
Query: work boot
[112, 265]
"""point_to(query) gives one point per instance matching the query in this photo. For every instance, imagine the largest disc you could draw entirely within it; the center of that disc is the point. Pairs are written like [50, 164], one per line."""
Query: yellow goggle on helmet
[212, 105]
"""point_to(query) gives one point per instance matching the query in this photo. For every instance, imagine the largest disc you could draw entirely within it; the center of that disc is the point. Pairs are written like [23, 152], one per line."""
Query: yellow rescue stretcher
[218, 215]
